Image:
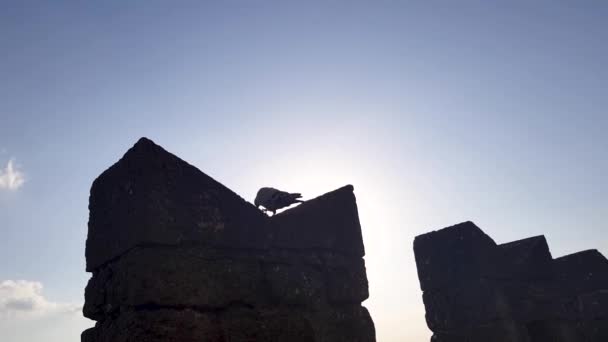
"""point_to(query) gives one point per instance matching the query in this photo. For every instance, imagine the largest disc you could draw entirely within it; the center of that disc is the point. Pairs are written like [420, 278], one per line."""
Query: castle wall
[176, 256]
[475, 290]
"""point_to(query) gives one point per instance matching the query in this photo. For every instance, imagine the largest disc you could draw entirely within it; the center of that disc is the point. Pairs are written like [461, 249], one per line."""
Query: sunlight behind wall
[381, 204]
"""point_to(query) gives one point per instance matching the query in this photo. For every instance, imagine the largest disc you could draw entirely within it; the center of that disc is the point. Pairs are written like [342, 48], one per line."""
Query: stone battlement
[475, 290]
[177, 256]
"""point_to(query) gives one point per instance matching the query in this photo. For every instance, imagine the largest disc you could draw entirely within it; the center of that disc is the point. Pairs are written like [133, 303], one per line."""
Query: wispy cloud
[24, 299]
[11, 178]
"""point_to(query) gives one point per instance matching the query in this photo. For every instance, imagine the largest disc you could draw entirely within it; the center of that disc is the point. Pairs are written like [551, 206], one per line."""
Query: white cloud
[11, 178]
[24, 299]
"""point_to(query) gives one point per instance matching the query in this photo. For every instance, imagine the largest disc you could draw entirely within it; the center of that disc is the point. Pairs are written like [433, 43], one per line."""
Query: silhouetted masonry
[177, 256]
[477, 291]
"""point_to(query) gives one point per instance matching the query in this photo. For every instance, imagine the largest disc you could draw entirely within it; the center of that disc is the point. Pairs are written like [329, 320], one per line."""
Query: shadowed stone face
[176, 256]
[584, 271]
[477, 291]
[527, 259]
[328, 222]
[151, 197]
[456, 253]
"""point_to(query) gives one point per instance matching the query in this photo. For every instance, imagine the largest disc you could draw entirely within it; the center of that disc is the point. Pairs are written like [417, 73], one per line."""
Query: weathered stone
[159, 325]
[454, 254]
[348, 283]
[151, 197]
[287, 325]
[533, 301]
[499, 331]
[241, 325]
[594, 330]
[582, 272]
[95, 305]
[176, 256]
[295, 285]
[527, 259]
[173, 277]
[476, 291]
[594, 305]
[270, 325]
[90, 335]
[465, 306]
[344, 324]
[554, 330]
[329, 222]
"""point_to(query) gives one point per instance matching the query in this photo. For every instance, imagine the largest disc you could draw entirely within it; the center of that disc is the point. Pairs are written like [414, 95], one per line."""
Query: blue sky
[437, 111]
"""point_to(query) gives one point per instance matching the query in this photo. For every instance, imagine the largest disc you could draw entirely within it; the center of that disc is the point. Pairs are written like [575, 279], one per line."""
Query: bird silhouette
[272, 199]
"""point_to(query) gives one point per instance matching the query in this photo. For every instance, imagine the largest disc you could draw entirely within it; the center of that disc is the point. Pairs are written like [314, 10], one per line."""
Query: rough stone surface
[460, 252]
[176, 276]
[151, 197]
[348, 283]
[158, 325]
[177, 256]
[328, 222]
[584, 271]
[499, 331]
[528, 259]
[475, 290]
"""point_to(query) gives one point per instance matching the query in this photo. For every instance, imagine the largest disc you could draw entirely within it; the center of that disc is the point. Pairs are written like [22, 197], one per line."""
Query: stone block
[594, 306]
[161, 325]
[534, 301]
[348, 283]
[594, 330]
[475, 291]
[527, 259]
[453, 255]
[291, 284]
[554, 330]
[328, 222]
[343, 324]
[151, 197]
[466, 306]
[268, 325]
[499, 331]
[173, 277]
[582, 272]
[176, 256]
[287, 325]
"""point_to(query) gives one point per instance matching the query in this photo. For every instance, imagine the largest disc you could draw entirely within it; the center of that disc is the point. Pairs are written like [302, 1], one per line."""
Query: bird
[272, 199]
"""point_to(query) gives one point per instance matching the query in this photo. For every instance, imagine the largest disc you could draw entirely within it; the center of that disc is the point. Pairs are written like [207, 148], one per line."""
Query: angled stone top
[151, 197]
[462, 251]
[583, 271]
[329, 222]
[475, 290]
[528, 258]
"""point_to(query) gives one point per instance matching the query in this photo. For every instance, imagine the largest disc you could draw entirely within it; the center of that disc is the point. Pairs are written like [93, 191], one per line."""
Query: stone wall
[477, 291]
[177, 256]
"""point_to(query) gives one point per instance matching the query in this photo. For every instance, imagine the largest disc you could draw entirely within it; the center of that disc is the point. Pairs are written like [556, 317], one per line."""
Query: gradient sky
[437, 111]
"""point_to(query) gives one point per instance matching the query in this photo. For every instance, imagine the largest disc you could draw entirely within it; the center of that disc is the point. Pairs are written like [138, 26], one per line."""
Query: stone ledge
[469, 283]
[151, 197]
[462, 252]
[188, 277]
[344, 324]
